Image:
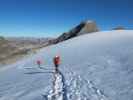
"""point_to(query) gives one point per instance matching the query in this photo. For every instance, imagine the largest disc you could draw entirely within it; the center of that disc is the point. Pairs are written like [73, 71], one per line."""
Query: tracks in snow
[59, 91]
[76, 88]
[82, 89]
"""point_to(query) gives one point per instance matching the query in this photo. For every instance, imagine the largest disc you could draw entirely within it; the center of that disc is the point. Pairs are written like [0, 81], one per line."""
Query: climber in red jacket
[56, 61]
[39, 63]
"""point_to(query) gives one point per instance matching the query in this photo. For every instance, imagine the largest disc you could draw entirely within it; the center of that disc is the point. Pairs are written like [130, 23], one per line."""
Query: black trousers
[56, 68]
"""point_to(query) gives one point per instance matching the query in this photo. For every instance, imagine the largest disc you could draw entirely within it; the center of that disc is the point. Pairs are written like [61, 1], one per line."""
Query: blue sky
[53, 17]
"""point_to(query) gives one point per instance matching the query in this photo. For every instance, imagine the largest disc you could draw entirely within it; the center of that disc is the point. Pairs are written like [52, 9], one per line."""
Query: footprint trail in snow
[76, 88]
[79, 88]
[59, 91]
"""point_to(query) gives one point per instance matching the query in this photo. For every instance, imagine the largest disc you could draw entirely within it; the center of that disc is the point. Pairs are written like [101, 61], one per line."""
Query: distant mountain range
[13, 48]
[28, 41]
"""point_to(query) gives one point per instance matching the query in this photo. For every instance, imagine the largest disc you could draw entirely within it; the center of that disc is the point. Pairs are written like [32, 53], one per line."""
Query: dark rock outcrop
[82, 28]
[119, 28]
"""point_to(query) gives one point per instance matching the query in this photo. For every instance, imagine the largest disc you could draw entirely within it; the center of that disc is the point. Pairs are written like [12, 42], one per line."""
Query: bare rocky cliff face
[83, 28]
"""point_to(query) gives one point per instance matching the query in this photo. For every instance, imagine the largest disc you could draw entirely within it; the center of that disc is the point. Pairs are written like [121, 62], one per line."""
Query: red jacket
[57, 60]
[38, 62]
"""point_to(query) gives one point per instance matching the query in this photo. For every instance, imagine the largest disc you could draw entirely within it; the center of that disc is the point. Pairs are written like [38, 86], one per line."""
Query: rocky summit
[83, 28]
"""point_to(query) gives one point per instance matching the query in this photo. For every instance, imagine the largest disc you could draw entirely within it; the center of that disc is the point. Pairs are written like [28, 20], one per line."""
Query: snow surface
[95, 66]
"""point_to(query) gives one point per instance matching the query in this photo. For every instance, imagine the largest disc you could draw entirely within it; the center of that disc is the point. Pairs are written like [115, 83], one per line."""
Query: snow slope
[95, 66]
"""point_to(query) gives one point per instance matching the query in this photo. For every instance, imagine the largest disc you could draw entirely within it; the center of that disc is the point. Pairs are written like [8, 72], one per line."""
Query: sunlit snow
[96, 66]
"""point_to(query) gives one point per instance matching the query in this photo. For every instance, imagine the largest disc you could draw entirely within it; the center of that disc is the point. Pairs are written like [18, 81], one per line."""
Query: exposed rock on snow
[83, 28]
[119, 28]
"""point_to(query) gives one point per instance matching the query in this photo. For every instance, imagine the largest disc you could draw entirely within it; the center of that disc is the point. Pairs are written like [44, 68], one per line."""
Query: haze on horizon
[37, 18]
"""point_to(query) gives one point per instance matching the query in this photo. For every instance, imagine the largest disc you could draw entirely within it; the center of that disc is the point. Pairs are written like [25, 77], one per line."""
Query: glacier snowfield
[96, 66]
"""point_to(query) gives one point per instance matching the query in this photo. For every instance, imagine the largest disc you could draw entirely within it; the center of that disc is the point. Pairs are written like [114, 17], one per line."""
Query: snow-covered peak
[95, 66]
[83, 28]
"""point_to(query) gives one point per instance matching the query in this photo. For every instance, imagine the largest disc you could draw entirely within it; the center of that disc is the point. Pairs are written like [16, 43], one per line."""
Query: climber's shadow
[39, 72]
[40, 68]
